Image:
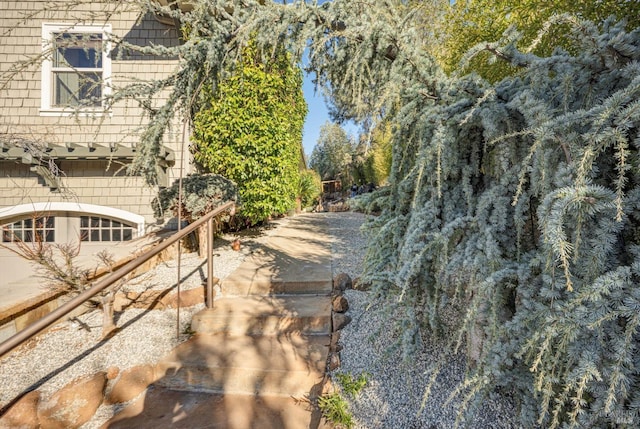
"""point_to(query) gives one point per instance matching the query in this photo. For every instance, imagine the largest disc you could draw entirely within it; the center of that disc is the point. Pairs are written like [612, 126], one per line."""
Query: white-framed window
[29, 230]
[94, 228]
[76, 70]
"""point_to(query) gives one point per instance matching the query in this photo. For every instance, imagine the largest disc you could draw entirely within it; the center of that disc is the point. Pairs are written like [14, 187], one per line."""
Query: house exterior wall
[84, 181]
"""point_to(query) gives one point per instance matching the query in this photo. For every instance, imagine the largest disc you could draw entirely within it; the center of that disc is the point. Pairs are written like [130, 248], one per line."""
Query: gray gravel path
[392, 398]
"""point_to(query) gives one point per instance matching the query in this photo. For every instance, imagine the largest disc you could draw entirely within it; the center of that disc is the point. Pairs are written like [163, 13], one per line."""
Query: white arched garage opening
[60, 220]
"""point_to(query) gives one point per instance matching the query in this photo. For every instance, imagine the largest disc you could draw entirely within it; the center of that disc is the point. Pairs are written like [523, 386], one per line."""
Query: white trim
[64, 206]
[47, 65]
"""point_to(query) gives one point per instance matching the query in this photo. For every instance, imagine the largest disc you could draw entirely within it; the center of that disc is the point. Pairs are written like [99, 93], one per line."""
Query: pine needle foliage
[515, 203]
[518, 202]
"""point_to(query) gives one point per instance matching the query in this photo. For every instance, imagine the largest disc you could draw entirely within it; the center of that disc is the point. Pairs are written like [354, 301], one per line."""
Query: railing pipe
[209, 299]
[40, 324]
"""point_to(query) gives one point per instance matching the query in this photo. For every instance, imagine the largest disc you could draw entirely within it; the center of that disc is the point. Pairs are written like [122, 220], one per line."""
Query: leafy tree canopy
[381, 152]
[332, 155]
[252, 132]
[470, 22]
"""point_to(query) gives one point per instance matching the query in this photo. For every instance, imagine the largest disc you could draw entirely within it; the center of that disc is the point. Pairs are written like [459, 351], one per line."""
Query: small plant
[336, 410]
[352, 385]
[57, 263]
[188, 331]
[333, 405]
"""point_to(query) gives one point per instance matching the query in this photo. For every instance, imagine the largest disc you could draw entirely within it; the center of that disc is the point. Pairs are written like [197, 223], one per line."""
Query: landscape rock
[327, 386]
[235, 245]
[188, 298]
[74, 404]
[23, 414]
[335, 345]
[334, 361]
[340, 320]
[341, 282]
[340, 304]
[112, 372]
[130, 384]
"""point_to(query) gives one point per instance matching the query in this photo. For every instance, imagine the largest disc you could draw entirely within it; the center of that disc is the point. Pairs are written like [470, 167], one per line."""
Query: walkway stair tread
[295, 259]
[286, 352]
[267, 315]
[162, 408]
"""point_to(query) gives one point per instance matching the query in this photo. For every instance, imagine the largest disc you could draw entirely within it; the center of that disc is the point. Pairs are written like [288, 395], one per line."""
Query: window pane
[84, 221]
[106, 235]
[17, 235]
[73, 88]
[95, 222]
[50, 222]
[116, 234]
[50, 236]
[127, 234]
[116, 224]
[106, 223]
[84, 235]
[27, 237]
[28, 223]
[78, 50]
[95, 235]
[65, 86]
[6, 236]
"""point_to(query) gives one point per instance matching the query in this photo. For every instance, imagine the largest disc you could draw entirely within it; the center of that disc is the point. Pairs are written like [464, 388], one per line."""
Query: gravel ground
[391, 399]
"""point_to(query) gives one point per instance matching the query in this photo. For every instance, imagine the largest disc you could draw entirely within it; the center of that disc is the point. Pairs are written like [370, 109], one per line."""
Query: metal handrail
[103, 283]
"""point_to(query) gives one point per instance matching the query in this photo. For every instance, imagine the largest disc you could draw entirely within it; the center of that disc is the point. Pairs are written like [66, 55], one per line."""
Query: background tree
[252, 132]
[332, 156]
[360, 168]
[310, 188]
[470, 22]
[381, 152]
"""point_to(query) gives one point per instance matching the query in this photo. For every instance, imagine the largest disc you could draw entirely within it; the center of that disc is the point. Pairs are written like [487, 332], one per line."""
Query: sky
[317, 115]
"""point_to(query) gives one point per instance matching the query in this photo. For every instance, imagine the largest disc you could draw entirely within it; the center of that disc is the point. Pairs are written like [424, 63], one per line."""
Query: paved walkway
[260, 355]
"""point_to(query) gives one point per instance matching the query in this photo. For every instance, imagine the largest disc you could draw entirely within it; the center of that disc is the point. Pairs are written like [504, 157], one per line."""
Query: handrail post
[210, 263]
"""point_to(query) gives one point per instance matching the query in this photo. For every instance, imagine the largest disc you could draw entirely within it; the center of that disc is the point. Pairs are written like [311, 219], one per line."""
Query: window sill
[98, 112]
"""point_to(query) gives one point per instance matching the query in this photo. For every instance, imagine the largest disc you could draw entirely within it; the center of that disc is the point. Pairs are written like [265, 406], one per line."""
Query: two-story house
[63, 154]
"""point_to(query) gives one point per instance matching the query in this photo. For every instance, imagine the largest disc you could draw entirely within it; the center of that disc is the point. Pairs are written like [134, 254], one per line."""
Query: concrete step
[275, 287]
[266, 315]
[246, 281]
[163, 408]
[289, 365]
[295, 259]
